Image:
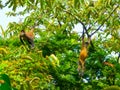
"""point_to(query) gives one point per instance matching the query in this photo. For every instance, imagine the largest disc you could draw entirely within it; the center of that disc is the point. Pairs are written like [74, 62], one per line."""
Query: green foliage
[112, 88]
[53, 63]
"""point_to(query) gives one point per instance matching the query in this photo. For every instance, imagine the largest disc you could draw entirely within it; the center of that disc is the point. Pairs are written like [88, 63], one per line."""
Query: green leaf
[41, 3]
[5, 85]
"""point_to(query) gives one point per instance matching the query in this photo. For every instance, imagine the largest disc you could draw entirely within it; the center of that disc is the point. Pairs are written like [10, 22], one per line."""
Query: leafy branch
[105, 20]
[84, 27]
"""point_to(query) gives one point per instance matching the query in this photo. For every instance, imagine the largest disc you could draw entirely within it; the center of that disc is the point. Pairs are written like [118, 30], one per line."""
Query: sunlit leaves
[54, 60]
[111, 87]
[3, 32]
[26, 66]
[3, 51]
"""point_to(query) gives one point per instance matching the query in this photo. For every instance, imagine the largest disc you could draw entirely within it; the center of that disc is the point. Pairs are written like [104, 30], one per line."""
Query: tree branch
[105, 20]
[118, 57]
[84, 27]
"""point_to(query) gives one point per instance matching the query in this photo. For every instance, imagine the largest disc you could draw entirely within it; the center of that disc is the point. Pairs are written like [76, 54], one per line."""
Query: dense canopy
[53, 63]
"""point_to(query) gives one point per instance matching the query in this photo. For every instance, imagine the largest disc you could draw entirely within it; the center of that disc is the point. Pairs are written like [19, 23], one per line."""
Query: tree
[54, 21]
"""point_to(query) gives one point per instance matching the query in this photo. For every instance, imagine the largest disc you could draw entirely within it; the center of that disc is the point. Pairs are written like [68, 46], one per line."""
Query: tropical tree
[53, 62]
